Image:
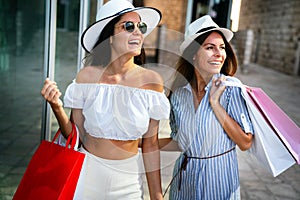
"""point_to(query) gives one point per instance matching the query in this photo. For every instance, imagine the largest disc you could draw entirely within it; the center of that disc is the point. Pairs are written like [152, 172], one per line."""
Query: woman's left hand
[217, 90]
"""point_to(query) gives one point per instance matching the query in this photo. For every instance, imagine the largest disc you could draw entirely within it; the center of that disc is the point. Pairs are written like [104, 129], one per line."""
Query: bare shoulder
[89, 74]
[152, 76]
[152, 80]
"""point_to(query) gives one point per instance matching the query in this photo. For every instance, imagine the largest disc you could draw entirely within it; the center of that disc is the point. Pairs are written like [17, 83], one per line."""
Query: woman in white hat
[115, 102]
[207, 119]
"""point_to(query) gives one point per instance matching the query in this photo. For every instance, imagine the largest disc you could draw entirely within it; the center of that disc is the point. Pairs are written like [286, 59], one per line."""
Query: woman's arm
[78, 118]
[231, 127]
[52, 95]
[168, 144]
[151, 157]
[165, 144]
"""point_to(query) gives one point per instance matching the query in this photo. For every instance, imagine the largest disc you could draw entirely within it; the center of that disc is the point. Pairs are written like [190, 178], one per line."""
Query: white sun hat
[203, 25]
[112, 9]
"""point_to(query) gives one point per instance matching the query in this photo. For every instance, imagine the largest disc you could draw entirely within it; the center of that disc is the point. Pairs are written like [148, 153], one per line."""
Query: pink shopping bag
[267, 147]
[283, 126]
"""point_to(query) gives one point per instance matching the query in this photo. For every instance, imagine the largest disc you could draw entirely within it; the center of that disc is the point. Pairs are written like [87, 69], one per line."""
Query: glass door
[21, 71]
[27, 55]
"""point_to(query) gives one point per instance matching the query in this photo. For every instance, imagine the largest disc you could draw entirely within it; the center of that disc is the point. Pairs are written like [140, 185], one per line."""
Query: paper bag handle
[72, 138]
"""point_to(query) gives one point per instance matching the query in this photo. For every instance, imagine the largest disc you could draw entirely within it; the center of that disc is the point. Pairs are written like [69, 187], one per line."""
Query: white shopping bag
[266, 147]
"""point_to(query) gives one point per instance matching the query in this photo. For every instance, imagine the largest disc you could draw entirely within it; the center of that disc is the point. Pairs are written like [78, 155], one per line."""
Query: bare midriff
[111, 149]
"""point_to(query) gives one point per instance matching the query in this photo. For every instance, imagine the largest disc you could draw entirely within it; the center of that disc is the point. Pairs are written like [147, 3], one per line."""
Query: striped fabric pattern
[199, 134]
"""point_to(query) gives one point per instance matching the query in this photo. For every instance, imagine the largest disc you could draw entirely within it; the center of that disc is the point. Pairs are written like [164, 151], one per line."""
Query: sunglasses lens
[143, 27]
[129, 26]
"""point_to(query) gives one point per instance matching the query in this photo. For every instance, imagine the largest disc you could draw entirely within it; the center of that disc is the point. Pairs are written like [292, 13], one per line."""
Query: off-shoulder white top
[114, 111]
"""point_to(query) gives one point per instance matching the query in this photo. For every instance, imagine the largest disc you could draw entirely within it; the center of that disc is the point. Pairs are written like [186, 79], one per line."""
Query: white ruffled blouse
[114, 111]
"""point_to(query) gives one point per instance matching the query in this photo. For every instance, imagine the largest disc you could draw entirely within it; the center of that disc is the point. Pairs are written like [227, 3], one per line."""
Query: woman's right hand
[51, 93]
[216, 91]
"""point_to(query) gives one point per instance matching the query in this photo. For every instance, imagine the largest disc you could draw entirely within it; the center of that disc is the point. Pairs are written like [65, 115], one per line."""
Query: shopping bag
[284, 127]
[267, 147]
[53, 171]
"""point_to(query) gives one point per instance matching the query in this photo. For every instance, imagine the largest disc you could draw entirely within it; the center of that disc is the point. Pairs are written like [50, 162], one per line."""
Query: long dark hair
[100, 55]
[185, 68]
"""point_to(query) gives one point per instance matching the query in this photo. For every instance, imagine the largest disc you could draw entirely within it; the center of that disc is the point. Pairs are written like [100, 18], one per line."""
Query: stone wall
[276, 28]
[243, 44]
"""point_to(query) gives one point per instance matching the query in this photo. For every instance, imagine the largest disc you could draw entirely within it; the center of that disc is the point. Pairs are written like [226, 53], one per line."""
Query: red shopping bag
[283, 126]
[52, 172]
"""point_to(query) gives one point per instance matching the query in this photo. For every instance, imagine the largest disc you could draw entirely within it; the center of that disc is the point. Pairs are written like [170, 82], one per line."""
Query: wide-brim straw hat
[112, 9]
[203, 25]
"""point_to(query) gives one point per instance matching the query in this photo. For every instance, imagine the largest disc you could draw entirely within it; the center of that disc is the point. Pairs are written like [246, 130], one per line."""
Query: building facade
[276, 29]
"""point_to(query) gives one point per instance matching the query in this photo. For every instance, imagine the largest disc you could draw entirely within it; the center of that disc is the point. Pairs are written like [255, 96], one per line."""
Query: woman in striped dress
[207, 119]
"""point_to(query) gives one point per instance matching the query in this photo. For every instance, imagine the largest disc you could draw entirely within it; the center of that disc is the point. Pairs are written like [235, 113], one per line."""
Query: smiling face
[124, 42]
[210, 56]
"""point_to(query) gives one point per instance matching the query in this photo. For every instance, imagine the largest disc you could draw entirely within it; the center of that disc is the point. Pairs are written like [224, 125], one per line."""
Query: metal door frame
[49, 53]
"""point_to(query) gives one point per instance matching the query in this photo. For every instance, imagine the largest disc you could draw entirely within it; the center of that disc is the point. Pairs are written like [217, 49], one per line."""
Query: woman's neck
[199, 81]
[120, 66]
[198, 84]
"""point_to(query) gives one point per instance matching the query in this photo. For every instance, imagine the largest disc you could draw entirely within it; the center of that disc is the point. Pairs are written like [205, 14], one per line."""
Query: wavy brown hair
[185, 70]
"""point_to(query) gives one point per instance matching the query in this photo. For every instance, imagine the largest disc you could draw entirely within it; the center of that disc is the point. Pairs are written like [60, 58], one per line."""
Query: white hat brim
[227, 34]
[151, 16]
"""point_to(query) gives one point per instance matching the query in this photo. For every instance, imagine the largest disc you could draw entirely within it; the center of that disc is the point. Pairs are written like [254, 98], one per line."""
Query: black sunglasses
[130, 26]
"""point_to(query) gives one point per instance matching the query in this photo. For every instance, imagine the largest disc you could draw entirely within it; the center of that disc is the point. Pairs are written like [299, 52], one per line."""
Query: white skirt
[110, 179]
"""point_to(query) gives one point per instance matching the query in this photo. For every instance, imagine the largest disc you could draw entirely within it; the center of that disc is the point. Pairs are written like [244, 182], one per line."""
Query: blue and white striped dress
[199, 134]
